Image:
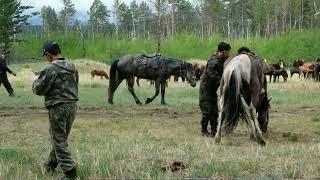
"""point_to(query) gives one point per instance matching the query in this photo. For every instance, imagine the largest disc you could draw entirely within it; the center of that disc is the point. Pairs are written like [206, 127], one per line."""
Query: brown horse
[243, 88]
[306, 68]
[99, 72]
[199, 68]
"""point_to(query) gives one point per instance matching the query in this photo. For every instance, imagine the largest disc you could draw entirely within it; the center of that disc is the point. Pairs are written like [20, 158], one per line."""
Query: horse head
[281, 63]
[300, 62]
[263, 111]
[190, 74]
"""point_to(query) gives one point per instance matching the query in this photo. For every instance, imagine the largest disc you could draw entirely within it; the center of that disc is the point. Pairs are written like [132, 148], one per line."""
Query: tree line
[166, 18]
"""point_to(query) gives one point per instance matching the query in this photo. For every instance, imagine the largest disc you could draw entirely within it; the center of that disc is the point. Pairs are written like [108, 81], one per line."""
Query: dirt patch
[175, 166]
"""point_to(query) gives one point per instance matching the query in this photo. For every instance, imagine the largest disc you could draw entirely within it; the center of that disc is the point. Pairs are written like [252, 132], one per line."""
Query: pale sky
[80, 5]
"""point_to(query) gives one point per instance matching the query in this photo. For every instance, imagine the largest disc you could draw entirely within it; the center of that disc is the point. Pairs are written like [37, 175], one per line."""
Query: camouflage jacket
[58, 83]
[210, 80]
[3, 66]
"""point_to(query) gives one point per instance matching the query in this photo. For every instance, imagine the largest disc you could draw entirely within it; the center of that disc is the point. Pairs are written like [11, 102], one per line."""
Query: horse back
[240, 63]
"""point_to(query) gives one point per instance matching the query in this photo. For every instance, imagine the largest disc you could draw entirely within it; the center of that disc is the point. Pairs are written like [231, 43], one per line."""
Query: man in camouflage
[209, 84]
[58, 83]
[3, 73]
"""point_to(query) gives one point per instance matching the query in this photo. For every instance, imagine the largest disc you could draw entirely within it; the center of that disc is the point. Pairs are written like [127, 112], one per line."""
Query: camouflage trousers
[4, 80]
[61, 118]
[209, 110]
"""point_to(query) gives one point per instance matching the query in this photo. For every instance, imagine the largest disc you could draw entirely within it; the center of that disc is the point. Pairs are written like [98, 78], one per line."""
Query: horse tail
[232, 106]
[113, 75]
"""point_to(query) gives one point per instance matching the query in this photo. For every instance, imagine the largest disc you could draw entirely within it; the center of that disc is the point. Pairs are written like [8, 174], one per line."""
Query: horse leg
[130, 81]
[157, 87]
[253, 112]
[101, 77]
[163, 91]
[270, 78]
[255, 125]
[114, 88]
[217, 137]
[92, 76]
[138, 82]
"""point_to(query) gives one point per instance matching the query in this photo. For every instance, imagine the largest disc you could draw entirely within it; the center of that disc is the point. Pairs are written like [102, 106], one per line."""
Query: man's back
[58, 82]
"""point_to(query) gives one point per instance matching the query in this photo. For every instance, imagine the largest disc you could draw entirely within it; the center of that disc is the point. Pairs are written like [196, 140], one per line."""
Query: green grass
[126, 141]
[289, 46]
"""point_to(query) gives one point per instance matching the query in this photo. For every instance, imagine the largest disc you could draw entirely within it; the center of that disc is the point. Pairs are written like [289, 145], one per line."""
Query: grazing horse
[199, 69]
[157, 68]
[99, 72]
[243, 86]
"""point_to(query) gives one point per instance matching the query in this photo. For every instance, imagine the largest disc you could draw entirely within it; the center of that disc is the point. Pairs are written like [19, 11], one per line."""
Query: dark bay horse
[156, 68]
[243, 88]
[269, 69]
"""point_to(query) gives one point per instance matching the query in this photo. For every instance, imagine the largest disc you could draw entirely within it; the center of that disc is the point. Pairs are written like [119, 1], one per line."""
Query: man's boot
[204, 126]
[70, 175]
[50, 166]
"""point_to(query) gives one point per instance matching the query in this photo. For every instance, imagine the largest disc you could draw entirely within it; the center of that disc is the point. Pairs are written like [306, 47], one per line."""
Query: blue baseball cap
[51, 47]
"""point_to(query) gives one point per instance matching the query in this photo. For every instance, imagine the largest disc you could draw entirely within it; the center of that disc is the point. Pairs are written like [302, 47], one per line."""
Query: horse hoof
[139, 103]
[148, 101]
[217, 140]
[262, 142]
[163, 103]
[110, 101]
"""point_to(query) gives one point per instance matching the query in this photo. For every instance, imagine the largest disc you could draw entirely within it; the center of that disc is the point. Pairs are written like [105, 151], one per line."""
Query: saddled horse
[243, 88]
[156, 68]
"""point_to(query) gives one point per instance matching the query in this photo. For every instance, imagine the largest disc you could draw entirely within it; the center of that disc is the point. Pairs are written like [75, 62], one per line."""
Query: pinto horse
[99, 72]
[243, 88]
[157, 68]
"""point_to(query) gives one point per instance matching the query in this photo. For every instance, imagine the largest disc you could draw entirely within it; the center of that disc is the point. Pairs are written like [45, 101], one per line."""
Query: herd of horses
[242, 93]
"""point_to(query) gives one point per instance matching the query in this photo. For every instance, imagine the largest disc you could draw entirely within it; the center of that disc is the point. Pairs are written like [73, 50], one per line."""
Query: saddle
[152, 61]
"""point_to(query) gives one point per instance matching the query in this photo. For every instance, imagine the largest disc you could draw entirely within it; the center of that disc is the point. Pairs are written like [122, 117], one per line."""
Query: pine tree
[12, 19]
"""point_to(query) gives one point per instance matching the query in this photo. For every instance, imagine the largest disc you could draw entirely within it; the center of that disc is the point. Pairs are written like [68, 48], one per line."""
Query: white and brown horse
[243, 88]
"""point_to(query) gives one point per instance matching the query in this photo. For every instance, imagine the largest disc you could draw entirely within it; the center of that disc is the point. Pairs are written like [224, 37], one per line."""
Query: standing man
[58, 83]
[3, 73]
[209, 84]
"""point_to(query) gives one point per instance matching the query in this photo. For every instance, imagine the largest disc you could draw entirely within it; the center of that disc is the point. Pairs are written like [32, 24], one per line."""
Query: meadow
[124, 140]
